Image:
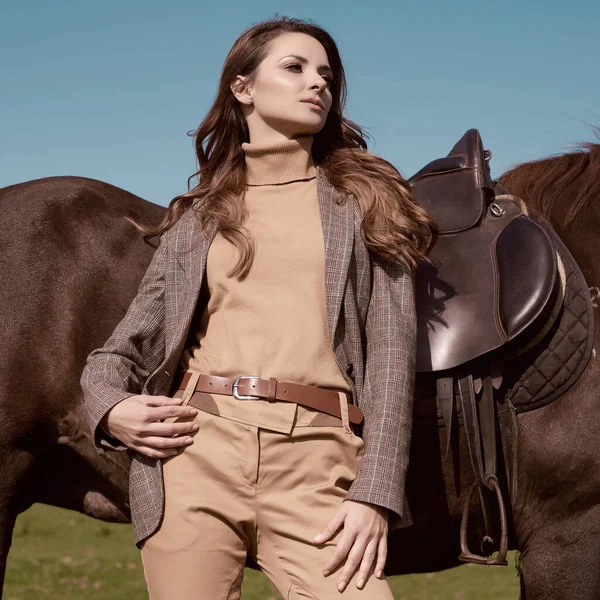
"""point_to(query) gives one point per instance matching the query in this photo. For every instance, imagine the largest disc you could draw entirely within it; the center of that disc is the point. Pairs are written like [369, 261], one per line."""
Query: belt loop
[344, 412]
[190, 388]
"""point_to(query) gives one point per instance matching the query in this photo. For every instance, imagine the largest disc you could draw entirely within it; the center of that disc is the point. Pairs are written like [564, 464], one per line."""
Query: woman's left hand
[363, 539]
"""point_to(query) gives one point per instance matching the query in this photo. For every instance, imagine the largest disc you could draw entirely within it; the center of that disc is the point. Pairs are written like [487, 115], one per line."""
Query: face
[295, 70]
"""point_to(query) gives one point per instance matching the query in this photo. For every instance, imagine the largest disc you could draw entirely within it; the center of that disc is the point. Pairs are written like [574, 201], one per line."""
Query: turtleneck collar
[279, 162]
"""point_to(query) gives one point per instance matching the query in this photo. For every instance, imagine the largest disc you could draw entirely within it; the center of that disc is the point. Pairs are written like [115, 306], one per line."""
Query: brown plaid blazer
[372, 322]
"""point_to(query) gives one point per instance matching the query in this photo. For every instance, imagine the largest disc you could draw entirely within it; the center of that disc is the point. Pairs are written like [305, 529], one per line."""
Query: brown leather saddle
[495, 269]
[492, 281]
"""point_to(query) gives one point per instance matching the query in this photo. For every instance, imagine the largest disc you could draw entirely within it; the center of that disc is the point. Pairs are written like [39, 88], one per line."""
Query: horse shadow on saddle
[505, 322]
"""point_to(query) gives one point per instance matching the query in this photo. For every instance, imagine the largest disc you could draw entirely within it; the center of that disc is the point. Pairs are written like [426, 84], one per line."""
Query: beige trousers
[241, 488]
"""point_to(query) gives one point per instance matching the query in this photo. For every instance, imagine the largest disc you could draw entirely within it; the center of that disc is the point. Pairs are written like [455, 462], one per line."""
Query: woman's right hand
[134, 422]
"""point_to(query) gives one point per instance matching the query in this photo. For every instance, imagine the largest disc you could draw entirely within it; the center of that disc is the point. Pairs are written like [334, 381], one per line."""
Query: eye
[327, 78]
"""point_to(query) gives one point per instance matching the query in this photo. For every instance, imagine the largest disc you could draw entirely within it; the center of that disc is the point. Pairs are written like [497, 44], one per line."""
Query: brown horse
[71, 266]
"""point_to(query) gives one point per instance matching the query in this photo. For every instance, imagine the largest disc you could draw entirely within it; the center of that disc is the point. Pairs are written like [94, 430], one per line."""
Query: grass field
[60, 554]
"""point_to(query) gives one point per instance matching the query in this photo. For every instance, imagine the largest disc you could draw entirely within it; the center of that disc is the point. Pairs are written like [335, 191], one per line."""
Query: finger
[381, 556]
[154, 453]
[332, 527]
[366, 563]
[162, 401]
[164, 443]
[169, 429]
[354, 557]
[341, 551]
[170, 412]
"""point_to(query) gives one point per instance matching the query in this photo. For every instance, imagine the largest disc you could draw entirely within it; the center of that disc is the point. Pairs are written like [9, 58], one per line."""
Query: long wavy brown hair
[393, 226]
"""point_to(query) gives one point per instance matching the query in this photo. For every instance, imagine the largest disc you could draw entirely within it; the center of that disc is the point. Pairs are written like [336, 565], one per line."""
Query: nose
[319, 83]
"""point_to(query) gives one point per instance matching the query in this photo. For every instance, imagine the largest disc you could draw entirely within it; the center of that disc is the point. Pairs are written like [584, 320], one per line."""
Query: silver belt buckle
[234, 387]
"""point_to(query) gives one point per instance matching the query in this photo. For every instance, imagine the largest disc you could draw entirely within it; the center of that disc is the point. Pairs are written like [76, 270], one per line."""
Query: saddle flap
[487, 286]
[453, 189]
[527, 274]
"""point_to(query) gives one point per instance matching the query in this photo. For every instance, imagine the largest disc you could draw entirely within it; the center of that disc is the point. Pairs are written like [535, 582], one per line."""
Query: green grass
[62, 554]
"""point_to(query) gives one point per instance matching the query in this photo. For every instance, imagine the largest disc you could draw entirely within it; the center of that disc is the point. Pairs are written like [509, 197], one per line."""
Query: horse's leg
[75, 477]
[7, 524]
[557, 502]
[14, 498]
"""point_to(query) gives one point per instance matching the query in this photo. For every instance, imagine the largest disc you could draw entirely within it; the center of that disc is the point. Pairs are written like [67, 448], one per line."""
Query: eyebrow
[304, 61]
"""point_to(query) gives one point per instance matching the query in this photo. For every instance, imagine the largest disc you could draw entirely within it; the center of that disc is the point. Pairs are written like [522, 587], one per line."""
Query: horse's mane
[540, 183]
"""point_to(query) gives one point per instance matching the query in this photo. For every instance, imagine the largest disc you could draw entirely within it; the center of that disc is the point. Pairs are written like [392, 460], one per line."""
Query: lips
[315, 102]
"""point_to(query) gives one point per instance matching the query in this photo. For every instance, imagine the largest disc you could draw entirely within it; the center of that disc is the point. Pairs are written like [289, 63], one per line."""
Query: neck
[279, 162]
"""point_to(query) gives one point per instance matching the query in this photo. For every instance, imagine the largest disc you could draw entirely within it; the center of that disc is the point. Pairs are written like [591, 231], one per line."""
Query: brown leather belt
[247, 387]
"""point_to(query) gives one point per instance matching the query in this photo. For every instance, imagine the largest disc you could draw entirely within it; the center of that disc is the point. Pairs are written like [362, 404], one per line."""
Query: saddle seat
[494, 270]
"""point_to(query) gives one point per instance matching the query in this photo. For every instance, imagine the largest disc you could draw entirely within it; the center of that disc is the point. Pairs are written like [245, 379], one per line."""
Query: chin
[308, 128]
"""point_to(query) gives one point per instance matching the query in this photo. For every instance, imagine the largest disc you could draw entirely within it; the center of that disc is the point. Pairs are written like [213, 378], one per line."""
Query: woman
[279, 308]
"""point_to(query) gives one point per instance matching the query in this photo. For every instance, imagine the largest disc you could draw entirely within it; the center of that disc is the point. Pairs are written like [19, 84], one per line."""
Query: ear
[240, 89]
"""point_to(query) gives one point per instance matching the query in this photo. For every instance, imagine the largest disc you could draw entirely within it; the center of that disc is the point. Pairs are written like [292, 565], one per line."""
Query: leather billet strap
[480, 427]
[324, 400]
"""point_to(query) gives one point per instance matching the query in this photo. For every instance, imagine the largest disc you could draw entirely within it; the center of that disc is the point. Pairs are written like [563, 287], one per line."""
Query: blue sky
[109, 89]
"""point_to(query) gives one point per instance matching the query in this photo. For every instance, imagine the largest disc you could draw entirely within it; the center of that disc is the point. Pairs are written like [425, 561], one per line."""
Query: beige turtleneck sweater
[274, 323]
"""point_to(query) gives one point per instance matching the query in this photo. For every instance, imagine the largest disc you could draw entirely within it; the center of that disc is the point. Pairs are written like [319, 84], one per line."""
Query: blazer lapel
[191, 251]
[338, 236]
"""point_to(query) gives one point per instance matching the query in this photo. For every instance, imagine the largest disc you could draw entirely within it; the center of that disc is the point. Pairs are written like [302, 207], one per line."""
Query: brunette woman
[262, 377]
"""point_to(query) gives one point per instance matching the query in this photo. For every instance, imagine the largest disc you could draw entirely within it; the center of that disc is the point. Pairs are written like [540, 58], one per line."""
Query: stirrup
[466, 555]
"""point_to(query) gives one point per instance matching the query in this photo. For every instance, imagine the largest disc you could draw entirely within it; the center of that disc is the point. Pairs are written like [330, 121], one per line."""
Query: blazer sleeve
[134, 350]
[388, 391]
